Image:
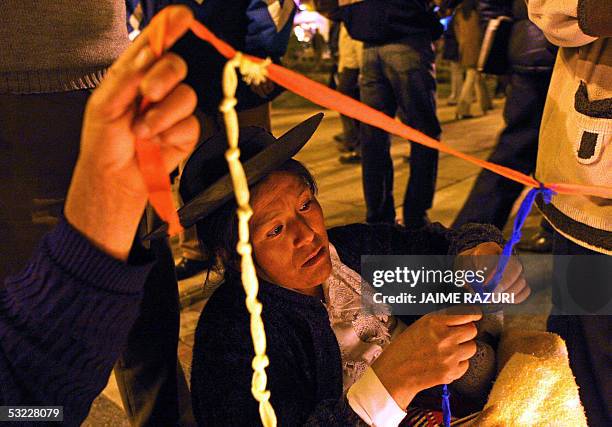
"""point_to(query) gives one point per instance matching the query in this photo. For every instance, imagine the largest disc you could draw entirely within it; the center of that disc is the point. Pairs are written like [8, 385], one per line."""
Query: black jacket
[383, 21]
[528, 50]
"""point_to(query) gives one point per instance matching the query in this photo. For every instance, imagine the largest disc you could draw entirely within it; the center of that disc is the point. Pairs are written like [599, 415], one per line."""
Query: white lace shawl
[361, 336]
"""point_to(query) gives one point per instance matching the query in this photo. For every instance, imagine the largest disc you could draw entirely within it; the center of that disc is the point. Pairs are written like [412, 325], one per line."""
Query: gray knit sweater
[59, 45]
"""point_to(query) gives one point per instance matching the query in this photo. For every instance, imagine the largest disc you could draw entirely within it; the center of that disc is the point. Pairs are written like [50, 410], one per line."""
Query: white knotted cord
[254, 73]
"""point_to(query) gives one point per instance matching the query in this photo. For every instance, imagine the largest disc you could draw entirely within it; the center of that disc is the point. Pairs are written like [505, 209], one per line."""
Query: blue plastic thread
[446, 409]
[519, 221]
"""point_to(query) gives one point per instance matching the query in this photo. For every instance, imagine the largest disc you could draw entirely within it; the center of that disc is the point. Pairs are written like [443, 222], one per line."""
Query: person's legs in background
[349, 85]
[456, 80]
[464, 103]
[409, 67]
[587, 336]
[377, 167]
[493, 196]
[350, 54]
[149, 375]
[39, 146]
[482, 93]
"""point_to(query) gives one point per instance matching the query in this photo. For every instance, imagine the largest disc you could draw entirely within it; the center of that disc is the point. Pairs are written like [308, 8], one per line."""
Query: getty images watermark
[418, 284]
[405, 276]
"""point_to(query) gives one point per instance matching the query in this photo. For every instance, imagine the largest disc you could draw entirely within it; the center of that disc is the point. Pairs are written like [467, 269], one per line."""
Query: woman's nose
[304, 233]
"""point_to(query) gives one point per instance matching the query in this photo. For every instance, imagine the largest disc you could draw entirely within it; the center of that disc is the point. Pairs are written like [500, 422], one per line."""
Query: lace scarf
[361, 336]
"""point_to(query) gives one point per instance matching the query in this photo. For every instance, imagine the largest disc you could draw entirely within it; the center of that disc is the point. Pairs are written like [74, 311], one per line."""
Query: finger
[178, 105]
[515, 287]
[463, 333]
[165, 74]
[179, 141]
[522, 295]
[462, 368]
[466, 350]
[460, 315]
[511, 274]
[119, 88]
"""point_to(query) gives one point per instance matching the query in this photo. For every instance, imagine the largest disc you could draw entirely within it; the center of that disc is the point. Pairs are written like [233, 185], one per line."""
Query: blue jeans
[399, 78]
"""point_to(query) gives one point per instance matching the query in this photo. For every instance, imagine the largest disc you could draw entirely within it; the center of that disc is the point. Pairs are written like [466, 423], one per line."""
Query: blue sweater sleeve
[63, 321]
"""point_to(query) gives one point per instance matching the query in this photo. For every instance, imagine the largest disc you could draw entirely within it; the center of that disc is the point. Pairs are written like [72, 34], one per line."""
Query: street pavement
[341, 196]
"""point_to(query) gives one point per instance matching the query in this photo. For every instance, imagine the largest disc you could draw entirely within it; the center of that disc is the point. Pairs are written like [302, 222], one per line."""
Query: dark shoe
[350, 158]
[463, 116]
[540, 242]
[187, 268]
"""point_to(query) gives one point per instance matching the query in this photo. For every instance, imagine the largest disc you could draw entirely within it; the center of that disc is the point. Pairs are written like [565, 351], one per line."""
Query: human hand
[264, 88]
[108, 194]
[485, 257]
[433, 350]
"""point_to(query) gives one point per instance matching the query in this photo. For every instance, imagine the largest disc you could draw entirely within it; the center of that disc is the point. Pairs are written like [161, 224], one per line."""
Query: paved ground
[342, 199]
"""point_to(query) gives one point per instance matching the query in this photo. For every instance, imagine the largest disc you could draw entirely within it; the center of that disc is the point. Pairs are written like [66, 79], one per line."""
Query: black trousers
[493, 196]
[588, 337]
[39, 146]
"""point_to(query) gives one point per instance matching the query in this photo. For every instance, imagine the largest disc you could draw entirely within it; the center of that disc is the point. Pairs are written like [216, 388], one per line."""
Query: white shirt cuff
[369, 398]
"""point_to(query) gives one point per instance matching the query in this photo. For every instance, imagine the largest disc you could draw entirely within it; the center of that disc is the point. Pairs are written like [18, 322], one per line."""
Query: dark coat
[383, 21]
[305, 372]
[528, 51]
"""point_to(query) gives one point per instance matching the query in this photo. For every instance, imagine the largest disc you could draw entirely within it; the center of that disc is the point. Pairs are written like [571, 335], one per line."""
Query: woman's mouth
[315, 258]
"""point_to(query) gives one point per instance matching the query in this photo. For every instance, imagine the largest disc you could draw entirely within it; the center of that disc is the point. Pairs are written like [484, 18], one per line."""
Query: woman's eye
[305, 206]
[275, 231]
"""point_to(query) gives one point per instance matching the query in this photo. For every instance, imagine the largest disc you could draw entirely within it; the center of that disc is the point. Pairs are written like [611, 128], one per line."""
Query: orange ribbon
[148, 153]
[328, 98]
[158, 184]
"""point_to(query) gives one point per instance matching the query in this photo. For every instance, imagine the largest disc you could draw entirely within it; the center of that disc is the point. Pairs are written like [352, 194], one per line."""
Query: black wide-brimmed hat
[206, 184]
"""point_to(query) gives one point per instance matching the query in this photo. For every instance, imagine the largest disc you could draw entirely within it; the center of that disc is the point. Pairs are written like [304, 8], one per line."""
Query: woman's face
[289, 239]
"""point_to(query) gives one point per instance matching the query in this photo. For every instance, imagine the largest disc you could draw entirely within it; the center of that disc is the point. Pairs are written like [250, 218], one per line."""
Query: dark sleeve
[491, 9]
[221, 379]
[594, 17]
[63, 321]
[386, 239]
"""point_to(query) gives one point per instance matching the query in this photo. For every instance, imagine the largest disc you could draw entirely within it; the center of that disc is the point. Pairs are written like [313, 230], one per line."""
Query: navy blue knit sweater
[305, 373]
[63, 321]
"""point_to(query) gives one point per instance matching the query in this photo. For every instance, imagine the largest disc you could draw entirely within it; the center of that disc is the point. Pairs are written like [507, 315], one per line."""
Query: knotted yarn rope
[254, 73]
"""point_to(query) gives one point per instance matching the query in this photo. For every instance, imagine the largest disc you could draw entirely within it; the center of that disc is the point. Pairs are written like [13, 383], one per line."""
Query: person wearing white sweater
[575, 147]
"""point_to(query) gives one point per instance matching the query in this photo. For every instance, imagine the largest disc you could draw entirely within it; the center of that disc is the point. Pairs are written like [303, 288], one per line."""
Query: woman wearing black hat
[327, 364]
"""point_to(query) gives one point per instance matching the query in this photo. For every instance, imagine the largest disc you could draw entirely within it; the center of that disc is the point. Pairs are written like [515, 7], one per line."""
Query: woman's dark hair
[218, 232]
